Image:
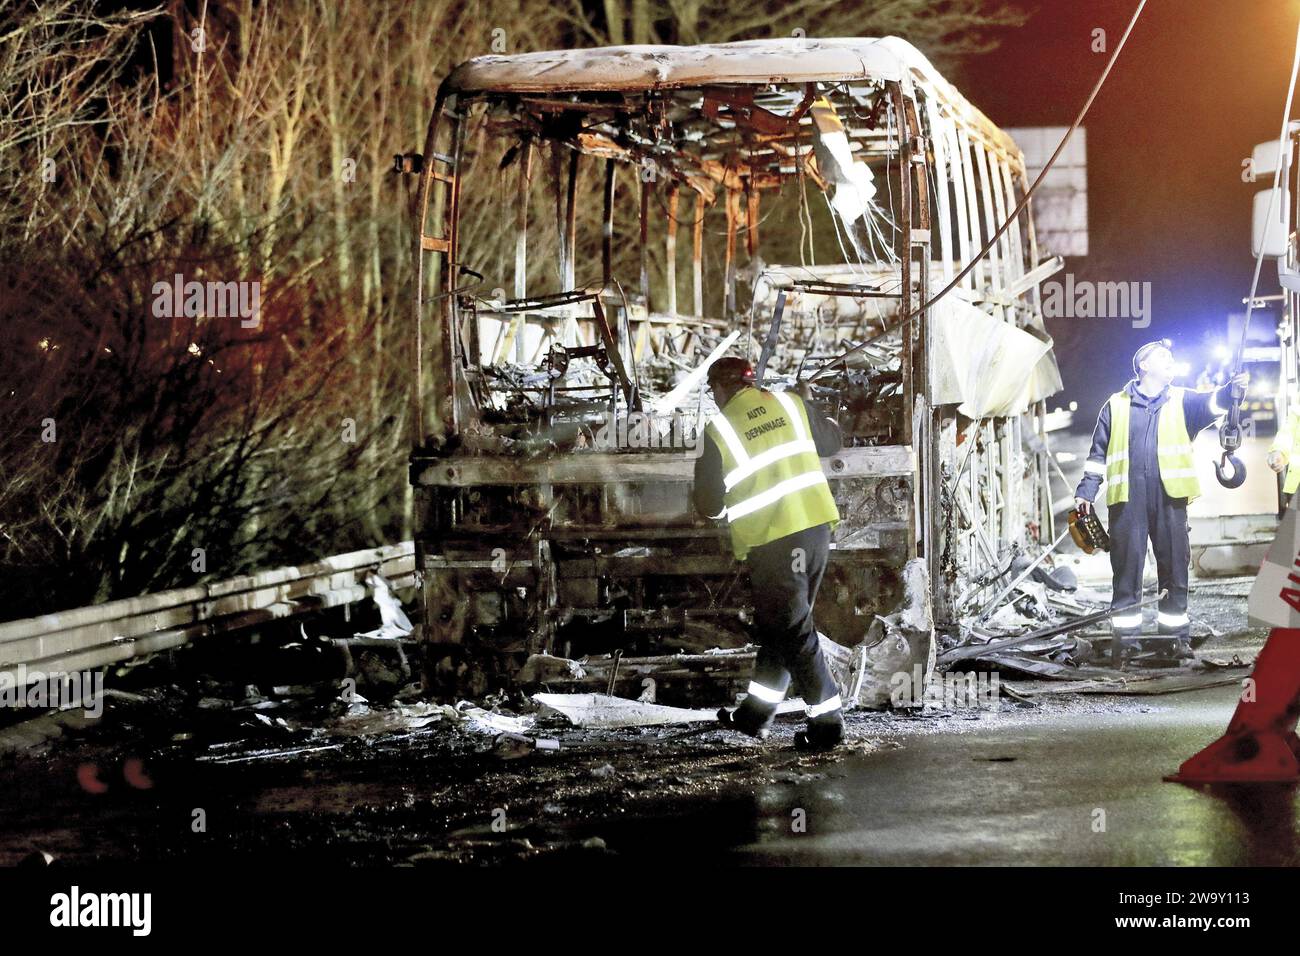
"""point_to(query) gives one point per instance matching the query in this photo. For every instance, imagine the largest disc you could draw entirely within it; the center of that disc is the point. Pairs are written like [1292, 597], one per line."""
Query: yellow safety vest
[1173, 449]
[1285, 442]
[773, 483]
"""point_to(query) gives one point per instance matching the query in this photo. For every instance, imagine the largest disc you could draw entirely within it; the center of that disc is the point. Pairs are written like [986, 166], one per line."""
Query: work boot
[822, 733]
[746, 720]
[1168, 652]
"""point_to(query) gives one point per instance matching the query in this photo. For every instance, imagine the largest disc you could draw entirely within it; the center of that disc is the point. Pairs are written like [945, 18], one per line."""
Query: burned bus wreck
[595, 227]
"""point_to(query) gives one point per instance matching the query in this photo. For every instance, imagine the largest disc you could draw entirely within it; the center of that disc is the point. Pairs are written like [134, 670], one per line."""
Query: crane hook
[1237, 471]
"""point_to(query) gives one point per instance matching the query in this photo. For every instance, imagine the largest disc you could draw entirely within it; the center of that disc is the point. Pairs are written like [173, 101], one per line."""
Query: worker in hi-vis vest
[1284, 446]
[759, 468]
[1142, 450]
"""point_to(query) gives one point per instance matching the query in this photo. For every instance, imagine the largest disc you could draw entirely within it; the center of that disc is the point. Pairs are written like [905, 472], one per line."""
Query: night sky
[1199, 83]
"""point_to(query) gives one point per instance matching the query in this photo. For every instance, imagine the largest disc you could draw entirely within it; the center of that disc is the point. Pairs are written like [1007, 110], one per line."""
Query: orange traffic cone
[1260, 745]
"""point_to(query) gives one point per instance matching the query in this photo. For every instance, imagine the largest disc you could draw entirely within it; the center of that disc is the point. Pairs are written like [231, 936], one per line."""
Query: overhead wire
[1024, 201]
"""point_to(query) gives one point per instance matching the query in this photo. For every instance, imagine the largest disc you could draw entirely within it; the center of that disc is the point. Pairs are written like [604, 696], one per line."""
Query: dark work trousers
[1150, 512]
[785, 574]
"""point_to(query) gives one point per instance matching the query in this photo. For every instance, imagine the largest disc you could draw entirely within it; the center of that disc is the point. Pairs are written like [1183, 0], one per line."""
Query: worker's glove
[803, 389]
[1277, 460]
[1082, 505]
[1242, 380]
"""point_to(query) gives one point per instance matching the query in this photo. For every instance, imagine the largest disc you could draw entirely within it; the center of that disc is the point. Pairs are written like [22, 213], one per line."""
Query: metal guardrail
[103, 634]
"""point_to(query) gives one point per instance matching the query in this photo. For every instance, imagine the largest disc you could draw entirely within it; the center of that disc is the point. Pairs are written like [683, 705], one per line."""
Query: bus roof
[787, 60]
[757, 62]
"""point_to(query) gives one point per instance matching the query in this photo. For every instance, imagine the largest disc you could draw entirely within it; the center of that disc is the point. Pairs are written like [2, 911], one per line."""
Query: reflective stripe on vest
[773, 483]
[1173, 449]
[734, 444]
[774, 494]
[801, 443]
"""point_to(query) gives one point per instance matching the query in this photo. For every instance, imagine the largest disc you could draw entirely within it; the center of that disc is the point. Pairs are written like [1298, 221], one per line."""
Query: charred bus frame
[526, 523]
